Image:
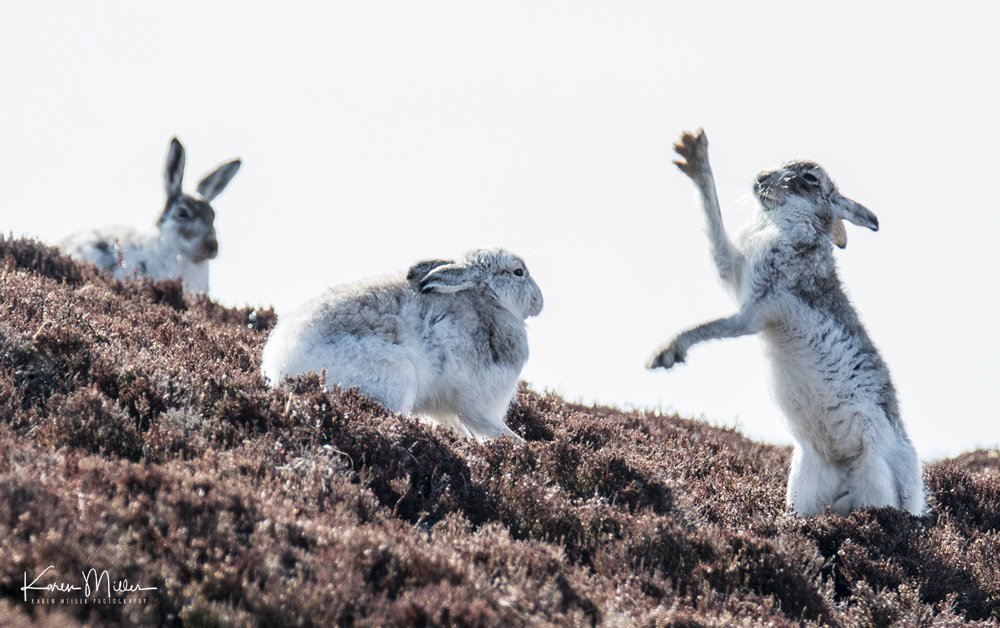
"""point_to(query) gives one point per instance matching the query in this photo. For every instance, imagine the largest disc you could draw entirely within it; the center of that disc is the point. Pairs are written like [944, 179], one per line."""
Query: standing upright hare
[851, 448]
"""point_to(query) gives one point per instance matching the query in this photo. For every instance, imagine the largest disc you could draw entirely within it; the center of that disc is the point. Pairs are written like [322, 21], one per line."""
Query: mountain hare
[182, 243]
[851, 448]
[448, 340]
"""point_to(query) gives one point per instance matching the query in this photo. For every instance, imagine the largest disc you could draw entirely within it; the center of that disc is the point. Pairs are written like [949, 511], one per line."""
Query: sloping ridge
[137, 436]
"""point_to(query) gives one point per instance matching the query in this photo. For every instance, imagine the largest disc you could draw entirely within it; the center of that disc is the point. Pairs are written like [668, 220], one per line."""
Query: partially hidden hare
[182, 242]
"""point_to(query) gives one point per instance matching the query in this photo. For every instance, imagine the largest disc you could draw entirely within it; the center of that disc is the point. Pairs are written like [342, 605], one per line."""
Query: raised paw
[667, 358]
[693, 147]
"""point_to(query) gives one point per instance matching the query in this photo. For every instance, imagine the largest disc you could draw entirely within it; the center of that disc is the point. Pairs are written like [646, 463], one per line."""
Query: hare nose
[212, 246]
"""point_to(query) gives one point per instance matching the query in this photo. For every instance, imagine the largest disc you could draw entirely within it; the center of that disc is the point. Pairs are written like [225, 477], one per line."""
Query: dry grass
[136, 435]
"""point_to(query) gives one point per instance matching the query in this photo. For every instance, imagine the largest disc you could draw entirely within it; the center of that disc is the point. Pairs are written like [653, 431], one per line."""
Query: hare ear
[838, 232]
[448, 279]
[855, 212]
[419, 270]
[173, 172]
[217, 180]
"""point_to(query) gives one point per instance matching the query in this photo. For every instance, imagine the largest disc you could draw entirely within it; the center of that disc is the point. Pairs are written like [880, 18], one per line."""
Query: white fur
[448, 346]
[180, 246]
[137, 254]
[851, 449]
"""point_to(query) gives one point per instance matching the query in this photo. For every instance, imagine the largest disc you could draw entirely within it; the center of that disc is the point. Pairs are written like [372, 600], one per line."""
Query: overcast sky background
[374, 134]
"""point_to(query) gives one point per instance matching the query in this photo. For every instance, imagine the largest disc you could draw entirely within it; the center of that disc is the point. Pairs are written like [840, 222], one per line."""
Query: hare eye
[183, 213]
[809, 177]
[519, 272]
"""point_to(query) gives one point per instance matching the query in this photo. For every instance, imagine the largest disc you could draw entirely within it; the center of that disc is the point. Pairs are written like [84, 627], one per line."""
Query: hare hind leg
[380, 370]
[813, 481]
[870, 484]
[484, 417]
[908, 476]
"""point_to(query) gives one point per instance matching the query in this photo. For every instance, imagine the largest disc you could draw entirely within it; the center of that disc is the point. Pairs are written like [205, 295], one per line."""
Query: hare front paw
[693, 147]
[667, 358]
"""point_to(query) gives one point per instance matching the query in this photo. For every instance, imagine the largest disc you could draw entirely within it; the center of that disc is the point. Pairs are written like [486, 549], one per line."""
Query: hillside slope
[137, 436]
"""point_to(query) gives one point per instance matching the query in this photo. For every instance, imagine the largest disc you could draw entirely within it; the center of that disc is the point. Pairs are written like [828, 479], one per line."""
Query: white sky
[376, 133]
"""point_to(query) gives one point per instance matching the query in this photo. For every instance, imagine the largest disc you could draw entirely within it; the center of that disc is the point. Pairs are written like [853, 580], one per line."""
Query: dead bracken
[137, 436]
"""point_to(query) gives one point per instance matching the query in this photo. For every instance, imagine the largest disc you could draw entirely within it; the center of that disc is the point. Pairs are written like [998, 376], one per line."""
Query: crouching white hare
[851, 448]
[182, 243]
[447, 341]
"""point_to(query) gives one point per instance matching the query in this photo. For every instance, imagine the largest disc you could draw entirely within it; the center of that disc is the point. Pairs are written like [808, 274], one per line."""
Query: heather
[137, 435]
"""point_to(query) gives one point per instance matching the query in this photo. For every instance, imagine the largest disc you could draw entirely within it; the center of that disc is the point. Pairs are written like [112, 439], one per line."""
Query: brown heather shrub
[136, 435]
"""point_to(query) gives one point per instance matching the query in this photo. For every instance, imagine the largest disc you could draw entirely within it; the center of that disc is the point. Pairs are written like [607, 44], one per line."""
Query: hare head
[501, 273]
[186, 220]
[802, 191]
